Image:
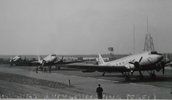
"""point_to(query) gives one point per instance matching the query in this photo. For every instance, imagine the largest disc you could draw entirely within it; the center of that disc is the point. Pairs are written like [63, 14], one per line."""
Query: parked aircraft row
[43, 63]
[150, 61]
[17, 60]
[52, 60]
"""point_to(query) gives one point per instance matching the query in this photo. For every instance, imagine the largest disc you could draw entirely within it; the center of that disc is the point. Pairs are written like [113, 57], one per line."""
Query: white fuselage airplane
[139, 62]
[51, 60]
[48, 60]
[144, 59]
[15, 60]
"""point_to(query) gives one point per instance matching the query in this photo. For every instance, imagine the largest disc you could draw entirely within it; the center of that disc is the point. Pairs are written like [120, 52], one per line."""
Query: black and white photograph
[86, 49]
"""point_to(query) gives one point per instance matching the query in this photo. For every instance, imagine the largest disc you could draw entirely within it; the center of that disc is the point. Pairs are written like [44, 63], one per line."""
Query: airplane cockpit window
[53, 55]
[154, 52]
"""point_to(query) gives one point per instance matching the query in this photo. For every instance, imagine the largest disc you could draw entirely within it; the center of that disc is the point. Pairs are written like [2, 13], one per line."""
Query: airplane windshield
[154, 52]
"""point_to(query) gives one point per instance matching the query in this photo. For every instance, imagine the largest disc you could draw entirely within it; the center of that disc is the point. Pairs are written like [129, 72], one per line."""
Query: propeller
[43, 62]
[140, 59]
[163, 67]
[165, 61]
[61, 60]
[137, 65]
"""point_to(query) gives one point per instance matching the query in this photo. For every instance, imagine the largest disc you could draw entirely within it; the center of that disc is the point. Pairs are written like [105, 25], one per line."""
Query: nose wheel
[127, 76]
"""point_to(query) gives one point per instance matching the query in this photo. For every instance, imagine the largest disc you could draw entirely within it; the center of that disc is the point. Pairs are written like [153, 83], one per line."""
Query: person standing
[99, 91]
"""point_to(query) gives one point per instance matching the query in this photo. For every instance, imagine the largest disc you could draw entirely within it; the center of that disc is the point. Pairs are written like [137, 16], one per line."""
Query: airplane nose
[159, 57]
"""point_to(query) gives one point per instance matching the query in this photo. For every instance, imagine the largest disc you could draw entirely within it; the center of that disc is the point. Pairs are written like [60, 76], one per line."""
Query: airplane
[166, 61]
[46, 61]
[52, 60]
[15, 60]
[146, 61]
[18, 61]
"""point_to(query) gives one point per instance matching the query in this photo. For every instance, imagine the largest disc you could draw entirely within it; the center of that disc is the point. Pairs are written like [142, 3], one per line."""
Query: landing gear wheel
[45, 69]
[127, 78]
[41, 68]
[58, 67]
[153, 75]
[103, 74]
[141, 77]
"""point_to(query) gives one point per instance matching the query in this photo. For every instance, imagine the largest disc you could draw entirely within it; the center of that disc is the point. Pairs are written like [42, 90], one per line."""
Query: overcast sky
[83, 26]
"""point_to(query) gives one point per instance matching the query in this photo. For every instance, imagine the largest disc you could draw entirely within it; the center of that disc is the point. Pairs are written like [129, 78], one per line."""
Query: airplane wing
[68, 62]
[92, 68]
[35, 62]
[169, 64]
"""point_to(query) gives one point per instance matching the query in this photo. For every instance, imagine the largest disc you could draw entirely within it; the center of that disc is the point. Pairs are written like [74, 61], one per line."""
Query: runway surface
[24, 82]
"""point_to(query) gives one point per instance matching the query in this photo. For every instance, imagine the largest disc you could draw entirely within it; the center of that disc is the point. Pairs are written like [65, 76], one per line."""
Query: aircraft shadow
[146, 79]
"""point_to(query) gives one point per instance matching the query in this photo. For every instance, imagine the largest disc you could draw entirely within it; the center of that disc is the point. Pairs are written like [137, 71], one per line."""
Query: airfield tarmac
[24, 82]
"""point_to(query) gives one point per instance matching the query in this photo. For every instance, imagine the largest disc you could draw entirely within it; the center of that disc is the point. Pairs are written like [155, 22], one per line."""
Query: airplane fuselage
[148, 60]
[50, 58]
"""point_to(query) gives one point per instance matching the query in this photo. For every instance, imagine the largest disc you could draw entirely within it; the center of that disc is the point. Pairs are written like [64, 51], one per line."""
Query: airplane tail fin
[100, 60]
[38, 55]
[39, 59]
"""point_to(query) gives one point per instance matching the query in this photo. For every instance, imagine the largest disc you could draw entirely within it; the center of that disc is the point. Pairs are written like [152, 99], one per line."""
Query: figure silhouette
[99, 91]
